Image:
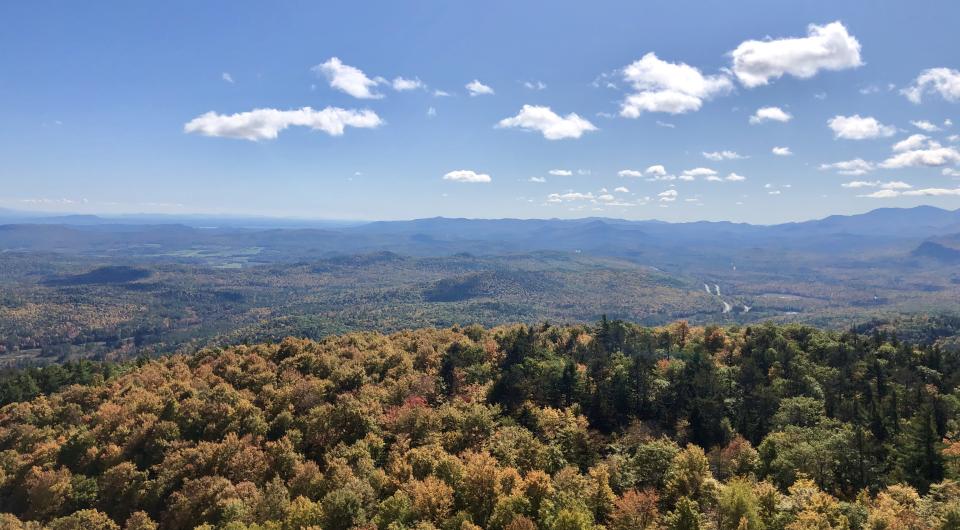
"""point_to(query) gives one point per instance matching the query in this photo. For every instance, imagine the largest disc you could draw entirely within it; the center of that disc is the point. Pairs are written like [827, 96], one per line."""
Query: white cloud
[570, 196]
[476, 88]
[770, 114]
[227, 77]
[717, 156]
[932, 192]
[857, 166]
[934, 155]
[466, 175]
[266, 124]
[621, 189]
[699, 172]
[895, 185]
[668, 196]
[925, 125]
[630, 173]
[892, 185]
[774, 192]
[348, 79]
[401, 84]
[944, 81]
[951, 172]
[781, 151]
[827, 47]
[925, 192]
[859, 128]
[914, 141]
[861, 184]
[661, 86]
[881, 194]
[539, 180]
[665, 124]
[441, 93]
[657, 169]
[535, 85]
[549, 123]
[431, 112]
[732, 177]
[560, 172]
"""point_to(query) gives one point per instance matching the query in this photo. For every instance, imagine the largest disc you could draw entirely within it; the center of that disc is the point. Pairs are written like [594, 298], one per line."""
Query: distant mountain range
[884, 231]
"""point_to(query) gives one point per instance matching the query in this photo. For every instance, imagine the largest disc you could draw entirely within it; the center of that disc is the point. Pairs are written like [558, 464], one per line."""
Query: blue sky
[124, 107]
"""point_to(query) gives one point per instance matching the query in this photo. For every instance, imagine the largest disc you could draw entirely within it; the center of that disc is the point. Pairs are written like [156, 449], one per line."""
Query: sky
[750, 111]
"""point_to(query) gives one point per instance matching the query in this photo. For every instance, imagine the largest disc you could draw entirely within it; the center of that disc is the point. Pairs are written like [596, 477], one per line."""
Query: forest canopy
[512, 428]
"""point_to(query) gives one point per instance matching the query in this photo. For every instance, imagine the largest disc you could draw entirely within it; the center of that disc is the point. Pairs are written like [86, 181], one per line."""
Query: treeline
[23, 384]
[513, 428]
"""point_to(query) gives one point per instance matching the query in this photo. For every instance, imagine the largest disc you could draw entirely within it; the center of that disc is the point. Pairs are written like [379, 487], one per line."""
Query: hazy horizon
[39, 214]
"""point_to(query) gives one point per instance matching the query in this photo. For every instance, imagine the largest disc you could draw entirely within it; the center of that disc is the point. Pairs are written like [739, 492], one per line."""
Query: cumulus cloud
[859, 128]
[943, 81]
[827, 47]
[781, 151]
[227, 77]
[621, 189]
[698, 172]
[661, 86]
[891, 185]
[717, 156]
[401, 84]
[732, 177]
[925, 192]
[348, 79]
[930, 155]
[266, 124]
[765, 114]
[857, 166]
[548, 123]
[570, 196]
[668, 196]
[861, 184]
[925, 125]
[466, 175]
[476, 88]
[539, 180]
[535, 85]
[653, 173]
[560, 172]
[601, 198]
[951, 172]
[914, 141]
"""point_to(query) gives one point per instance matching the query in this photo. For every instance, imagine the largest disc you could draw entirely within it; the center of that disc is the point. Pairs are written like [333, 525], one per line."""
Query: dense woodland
[109, 290]
[516, 428]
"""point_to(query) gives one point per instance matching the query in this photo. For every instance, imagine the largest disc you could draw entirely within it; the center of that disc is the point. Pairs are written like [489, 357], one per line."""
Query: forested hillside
[516, 428]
